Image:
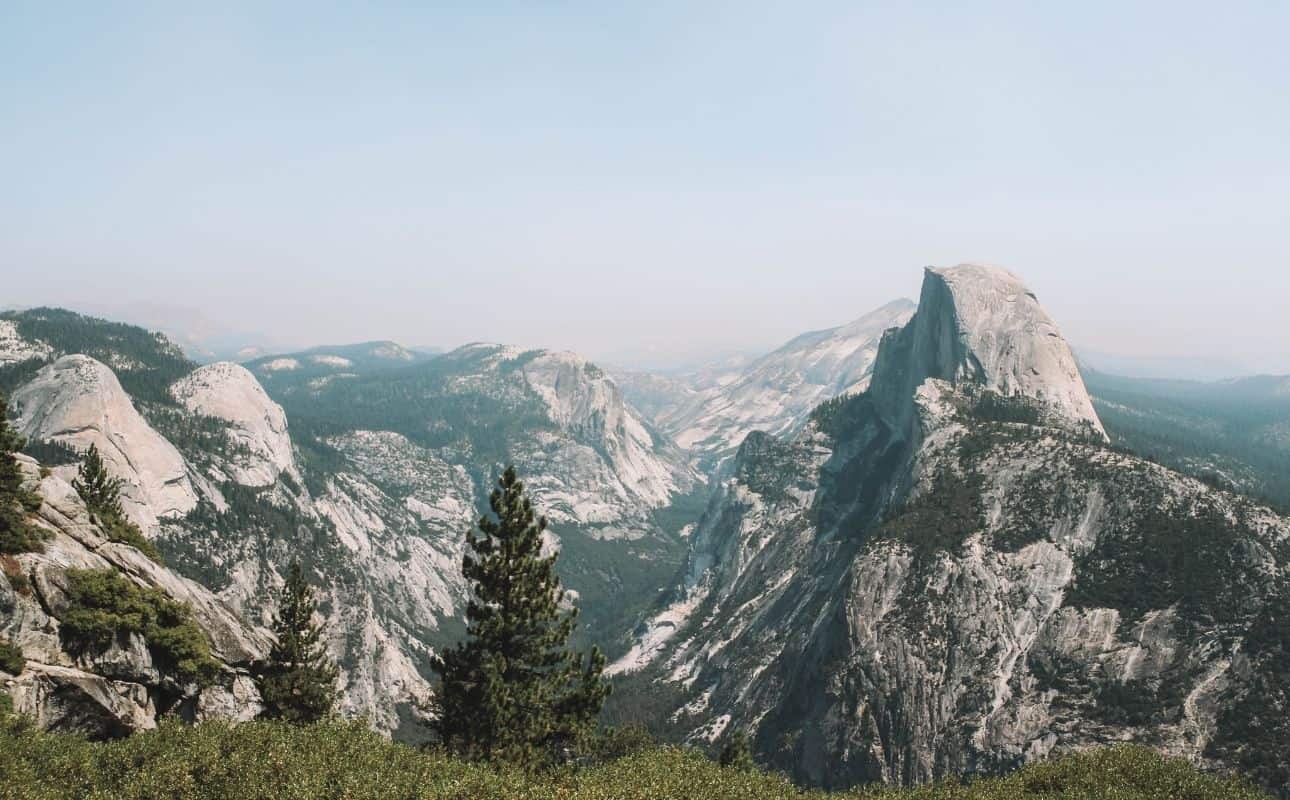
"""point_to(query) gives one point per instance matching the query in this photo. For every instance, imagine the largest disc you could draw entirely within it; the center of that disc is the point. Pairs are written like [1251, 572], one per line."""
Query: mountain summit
[952, 573]
[979, 324]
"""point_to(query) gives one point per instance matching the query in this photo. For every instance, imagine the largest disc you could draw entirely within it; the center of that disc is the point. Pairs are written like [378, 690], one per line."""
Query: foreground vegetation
[276, 760]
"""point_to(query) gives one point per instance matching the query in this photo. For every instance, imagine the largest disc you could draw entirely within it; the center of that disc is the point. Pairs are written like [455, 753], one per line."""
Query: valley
[925, 543]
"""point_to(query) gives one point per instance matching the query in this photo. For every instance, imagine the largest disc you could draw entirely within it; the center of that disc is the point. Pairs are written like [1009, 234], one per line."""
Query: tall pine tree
[102, 495]
[299, 683]
[17, 535]
[513, 691]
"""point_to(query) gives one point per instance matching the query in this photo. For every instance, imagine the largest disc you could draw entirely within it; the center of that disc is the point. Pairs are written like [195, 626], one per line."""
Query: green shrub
[122, 530]
[11, 659]
[103, 606]
[216, 761]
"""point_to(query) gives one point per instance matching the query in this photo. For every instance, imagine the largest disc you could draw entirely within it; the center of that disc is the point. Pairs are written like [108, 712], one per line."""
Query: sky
[649, 183]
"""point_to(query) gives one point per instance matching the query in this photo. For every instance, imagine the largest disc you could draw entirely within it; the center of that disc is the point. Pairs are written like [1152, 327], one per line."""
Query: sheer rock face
[257, 425]
[980, 325]
[909, 589]
[79, 402]
[119, 690]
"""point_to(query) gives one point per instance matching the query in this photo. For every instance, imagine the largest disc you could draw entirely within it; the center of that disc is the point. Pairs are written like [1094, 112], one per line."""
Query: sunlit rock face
[980, 325]
[79, 402]
[120, 690]
[952, 573]
[257, 427]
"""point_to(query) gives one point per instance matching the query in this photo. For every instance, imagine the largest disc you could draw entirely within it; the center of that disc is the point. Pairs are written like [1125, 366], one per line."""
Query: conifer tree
[513, 691]
[102, 495]
[299, 683]
[17, 535]
[737, 753]
[100, 491]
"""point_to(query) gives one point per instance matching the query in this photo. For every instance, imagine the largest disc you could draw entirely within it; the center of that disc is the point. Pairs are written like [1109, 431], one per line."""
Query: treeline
[1235, 435]
[146, 363]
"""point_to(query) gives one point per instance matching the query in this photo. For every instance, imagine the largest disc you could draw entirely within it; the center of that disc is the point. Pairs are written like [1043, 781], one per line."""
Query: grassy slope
[270, 760]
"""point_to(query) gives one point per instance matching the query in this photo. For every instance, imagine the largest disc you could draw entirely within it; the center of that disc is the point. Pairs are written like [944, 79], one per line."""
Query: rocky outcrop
[923, 583]
[15, 349]
[78, 402]
[979, 325]
[119, 690]
[257, 427]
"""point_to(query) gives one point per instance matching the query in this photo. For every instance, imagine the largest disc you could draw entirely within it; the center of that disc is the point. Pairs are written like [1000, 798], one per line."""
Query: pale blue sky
[675, 177]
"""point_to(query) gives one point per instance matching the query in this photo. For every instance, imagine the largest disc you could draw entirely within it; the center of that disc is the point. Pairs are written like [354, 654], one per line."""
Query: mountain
[1231, 433]
[954, 572]
[368, 463]
[129, 685]
[710, 412]
[310, 369]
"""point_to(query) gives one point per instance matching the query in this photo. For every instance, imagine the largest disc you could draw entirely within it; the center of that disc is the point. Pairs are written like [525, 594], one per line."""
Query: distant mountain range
[920, 544]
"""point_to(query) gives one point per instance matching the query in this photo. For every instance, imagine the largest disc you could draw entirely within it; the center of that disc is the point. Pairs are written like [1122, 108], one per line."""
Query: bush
[276, 760]
[123, 531]
[104, 606]
[11, 659]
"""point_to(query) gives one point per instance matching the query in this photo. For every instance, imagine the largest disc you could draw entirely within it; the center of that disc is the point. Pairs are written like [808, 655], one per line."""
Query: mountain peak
[980, 324]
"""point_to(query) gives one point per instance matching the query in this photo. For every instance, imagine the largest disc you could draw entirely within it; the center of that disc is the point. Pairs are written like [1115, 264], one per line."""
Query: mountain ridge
[952, 581]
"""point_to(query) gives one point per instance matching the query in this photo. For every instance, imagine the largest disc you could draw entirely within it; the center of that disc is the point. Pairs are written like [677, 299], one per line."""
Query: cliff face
[256, 426]
[979, 325]
[953, 573]
[78, 401]
[123, 688]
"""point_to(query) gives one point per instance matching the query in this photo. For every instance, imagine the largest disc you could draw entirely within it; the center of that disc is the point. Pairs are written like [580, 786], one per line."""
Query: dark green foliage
[616, 580]
[334, 761]
[769, 466]
[639, 700]
[51, 454]
[941, 517]
[197, 436]
[146, 363]
[11, 659]
[6, 708]
[104, 606]
[17, 534]
[14, 375]
[1197, 428]
[299, 683]
[424, 402]
[512, 692]
[994, 407]
[1133, 702]
[102, 495]
[610, 744]
[1189, 557]
[737, 753]
[1254, 731]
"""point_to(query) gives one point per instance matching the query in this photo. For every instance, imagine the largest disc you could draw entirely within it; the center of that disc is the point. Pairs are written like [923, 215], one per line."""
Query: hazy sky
[676, 178]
